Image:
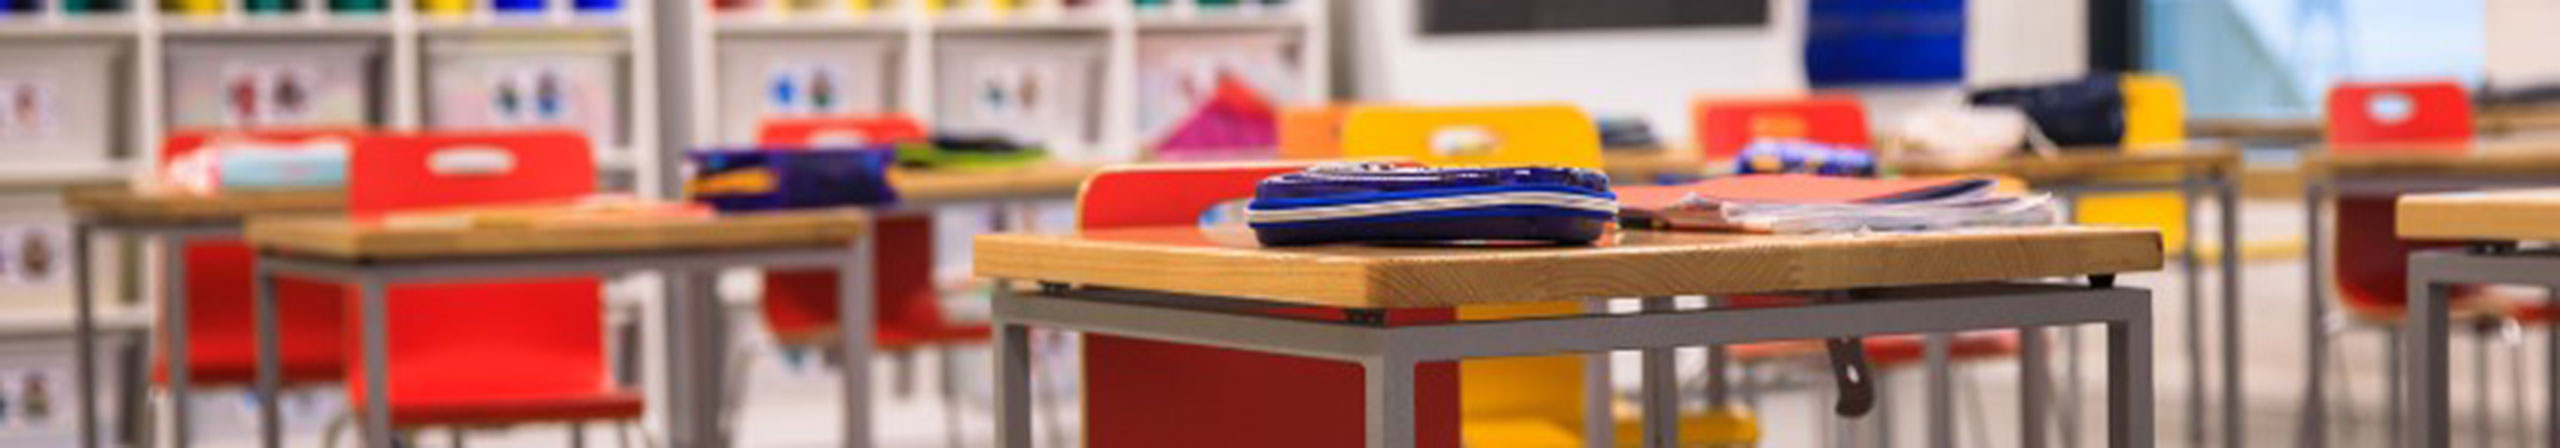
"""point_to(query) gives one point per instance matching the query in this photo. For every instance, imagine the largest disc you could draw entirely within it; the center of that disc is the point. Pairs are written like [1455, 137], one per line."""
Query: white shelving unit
[1117, 27]
[144, 32]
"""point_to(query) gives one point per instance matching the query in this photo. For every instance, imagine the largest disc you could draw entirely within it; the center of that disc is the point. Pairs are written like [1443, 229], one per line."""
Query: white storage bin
[782, 77]
[57, 106]
[271, 83]
[1178, 72]
[496, 84]
[1028, 88]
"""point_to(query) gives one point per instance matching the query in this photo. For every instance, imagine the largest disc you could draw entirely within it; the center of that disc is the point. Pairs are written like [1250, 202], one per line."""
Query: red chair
[800, 306]
[2371, 262]
[1145, 394]
[486, 353]
[222, 334]
[1725, 126]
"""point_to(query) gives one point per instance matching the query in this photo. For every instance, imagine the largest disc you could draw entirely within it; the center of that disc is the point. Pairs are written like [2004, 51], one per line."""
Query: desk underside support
[1390, 352]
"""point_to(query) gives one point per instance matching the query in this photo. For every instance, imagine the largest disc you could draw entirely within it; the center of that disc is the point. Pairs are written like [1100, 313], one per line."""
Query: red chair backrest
[890, 128]
[483, 339]
[1222, 397]
[2361, 114]
[1725, 126]
[1168, 195]
[2372, 261]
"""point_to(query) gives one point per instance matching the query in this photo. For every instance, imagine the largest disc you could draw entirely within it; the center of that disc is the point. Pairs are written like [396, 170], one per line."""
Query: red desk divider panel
[1146, 394]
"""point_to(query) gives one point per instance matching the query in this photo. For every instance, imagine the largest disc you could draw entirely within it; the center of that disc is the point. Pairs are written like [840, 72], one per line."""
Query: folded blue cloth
[1380, 203]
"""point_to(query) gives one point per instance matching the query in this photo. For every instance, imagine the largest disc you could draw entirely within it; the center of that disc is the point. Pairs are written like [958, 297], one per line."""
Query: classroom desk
[2214, 167]
[2328, 174]
[2495, 222]
[690, 251]
[171, 221]
[1187, 285]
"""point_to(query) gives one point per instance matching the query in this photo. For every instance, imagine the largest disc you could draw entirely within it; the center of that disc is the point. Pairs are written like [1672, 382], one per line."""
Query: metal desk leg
[270, 349]
[2129, 397]
[1719, 370]
[2234, 404]
[1013, 381]
[707, 321]
[84, 334]
[2315, 402]
[1941, 390]
[2035, 387]
[2192, 281]
[373, 303]
[1390, 402]
[174, 345]
[2428, 424]
[2551, 380]
[1661, 387]
[682, 350]
[854, 322]
[1599, 425]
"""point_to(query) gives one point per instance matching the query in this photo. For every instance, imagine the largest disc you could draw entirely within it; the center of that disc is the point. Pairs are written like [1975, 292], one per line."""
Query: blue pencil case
[757, 180]
[1381, 203]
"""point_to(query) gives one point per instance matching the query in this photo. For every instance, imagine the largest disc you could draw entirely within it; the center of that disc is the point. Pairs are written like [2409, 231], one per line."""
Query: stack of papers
[1804, 204]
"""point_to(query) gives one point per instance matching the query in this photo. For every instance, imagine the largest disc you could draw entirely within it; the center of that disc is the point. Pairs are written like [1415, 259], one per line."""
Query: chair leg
[2482, 416]
[1970, 390]
[741, 359]
[2511, 334]
[337, 424]
[623, 434]
[457, 438]
[2396, 386]
[577, 435]
[950, 388]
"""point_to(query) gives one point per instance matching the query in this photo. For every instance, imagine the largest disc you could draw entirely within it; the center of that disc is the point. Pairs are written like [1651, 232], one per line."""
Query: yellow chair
[2155, 121]
[1514, 402]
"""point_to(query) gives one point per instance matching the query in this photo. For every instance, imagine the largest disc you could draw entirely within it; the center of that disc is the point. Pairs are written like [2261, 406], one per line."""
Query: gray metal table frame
[173, 343]
[1389, 354]
[695, 321]
[2190, 186]
[2317, 193]
[2432, 276]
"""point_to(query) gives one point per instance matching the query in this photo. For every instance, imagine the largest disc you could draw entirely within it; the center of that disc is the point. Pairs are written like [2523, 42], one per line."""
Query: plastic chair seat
[459, 408]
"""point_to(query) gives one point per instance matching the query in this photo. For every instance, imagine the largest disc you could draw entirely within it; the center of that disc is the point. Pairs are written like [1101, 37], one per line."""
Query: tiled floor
[794, 407]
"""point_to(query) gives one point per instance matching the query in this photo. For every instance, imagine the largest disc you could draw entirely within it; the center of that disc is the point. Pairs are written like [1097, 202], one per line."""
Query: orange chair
[800, 306]
[1725, 126]
[483, 353]
[1146, 394]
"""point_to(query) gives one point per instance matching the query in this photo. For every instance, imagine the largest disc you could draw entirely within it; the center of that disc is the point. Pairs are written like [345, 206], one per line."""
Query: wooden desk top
[2503, 158]
[2501, 215]
[1038, 181]
[2074, 165]
[2303, 129]
[337, 237]
[123, 204]
[1228, 263]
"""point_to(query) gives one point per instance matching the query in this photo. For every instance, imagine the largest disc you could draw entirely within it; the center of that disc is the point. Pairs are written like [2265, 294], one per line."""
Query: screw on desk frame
[2493, 248]
[2102, 281]
[1053, 288]
[1365, 316]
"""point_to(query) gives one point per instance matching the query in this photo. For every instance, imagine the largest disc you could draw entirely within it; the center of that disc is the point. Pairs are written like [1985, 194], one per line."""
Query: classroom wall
[2520, 36]
[1656, 72]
